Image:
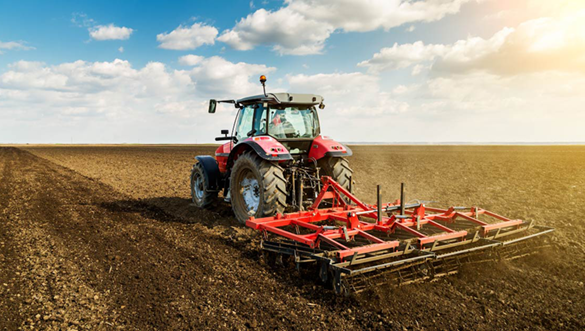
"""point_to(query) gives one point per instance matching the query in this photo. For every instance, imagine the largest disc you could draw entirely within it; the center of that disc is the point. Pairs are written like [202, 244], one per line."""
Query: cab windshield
[293, 122]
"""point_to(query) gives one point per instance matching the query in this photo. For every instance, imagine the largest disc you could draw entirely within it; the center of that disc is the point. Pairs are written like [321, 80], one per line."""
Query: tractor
[273, 159]
[287, 181]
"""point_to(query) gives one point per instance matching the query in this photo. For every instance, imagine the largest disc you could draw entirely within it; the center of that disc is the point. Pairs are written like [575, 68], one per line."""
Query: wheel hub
[250, 193]
[198, 187]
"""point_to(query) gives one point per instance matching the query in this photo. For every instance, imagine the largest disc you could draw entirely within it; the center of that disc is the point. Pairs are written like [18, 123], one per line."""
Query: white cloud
[301, 27]
[534, 46]
[224, 79]
[121, 49]
[14, 45]
[125, 101]
[417, 69]
[402, 56]
[355, 104]
[110, 32]
[81, 20]
[363, 16]
[286, 30]
[349, 94]
[190, 60]
[185, 38]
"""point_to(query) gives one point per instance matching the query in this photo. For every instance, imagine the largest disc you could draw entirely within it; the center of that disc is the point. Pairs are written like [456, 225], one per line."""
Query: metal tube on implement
[300, 193]
[401, 198]
[379, 192]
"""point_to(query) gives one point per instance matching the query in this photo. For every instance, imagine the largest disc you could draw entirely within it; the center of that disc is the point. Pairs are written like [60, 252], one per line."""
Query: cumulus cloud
[123, 98]
[14, 45]
[402, 56]
[190, 60]
[537, 45]
[221, 78]
[301, 27]
[348, 94]
[355, 103]
[110, 32]
[288, 32]
[363, 16]
[185, 38]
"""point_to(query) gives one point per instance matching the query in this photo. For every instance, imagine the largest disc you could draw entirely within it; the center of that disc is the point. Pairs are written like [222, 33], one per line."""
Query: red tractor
[274, 158]
[295, 186]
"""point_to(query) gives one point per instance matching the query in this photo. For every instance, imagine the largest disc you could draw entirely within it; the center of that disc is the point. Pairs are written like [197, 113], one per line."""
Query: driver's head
[280, 113]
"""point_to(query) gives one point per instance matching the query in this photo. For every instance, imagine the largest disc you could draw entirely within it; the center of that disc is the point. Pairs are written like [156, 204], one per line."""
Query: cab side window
[244, 122]
[260, 121]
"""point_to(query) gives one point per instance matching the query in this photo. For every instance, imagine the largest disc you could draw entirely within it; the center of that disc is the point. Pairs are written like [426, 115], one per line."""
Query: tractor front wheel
[257, 188]
[201, 196]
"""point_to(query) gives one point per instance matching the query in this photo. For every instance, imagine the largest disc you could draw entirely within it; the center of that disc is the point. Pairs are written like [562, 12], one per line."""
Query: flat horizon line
[510, 143]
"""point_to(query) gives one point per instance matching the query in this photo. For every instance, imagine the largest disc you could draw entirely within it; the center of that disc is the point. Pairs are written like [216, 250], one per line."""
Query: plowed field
[104, 237]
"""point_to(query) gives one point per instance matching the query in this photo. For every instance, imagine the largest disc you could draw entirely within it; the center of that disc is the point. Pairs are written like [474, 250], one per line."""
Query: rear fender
[211, 171]
[324, 146]
[265, 147]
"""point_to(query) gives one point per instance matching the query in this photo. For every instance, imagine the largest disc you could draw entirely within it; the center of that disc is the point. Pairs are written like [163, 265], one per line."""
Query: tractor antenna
[263, 81]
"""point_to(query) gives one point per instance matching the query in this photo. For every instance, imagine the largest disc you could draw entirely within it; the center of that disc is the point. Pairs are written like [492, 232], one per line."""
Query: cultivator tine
[401, 198]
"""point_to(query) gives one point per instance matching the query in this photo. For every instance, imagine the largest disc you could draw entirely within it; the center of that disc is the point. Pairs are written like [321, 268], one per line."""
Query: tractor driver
[279, 126]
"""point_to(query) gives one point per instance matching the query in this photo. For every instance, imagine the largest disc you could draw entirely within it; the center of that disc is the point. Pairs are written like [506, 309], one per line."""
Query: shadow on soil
[227, 230]
[183, 211]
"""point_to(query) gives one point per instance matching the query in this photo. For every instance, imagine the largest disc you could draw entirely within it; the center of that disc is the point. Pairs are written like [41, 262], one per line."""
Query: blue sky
[429, 64]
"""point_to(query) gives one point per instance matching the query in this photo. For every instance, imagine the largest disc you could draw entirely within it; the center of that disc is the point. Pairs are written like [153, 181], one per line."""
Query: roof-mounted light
[262, 81]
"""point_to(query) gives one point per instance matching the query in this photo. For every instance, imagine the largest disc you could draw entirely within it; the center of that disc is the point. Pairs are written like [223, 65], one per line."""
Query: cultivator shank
[356, 243]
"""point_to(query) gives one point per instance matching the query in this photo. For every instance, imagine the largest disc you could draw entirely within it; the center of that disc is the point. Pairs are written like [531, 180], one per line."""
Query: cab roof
[284, 98]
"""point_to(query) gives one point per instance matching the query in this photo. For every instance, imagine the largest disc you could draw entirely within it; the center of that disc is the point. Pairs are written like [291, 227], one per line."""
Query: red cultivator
[393, 241]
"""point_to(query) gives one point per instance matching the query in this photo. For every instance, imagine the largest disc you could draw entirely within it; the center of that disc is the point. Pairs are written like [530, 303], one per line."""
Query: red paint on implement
[358, 218]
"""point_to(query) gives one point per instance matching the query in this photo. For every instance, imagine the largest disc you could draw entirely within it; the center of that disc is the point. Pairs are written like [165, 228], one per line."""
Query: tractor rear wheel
[338, 169]
[201, 197]
[257, 188]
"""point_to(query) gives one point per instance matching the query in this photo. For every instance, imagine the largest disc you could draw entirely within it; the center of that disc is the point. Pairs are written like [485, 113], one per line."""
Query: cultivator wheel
[257, 187]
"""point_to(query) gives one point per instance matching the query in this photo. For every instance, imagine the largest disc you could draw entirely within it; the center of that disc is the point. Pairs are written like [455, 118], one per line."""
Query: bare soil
[104, 237]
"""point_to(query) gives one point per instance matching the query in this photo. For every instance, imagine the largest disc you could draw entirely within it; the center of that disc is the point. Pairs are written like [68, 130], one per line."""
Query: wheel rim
[198, 188]
[250, 192]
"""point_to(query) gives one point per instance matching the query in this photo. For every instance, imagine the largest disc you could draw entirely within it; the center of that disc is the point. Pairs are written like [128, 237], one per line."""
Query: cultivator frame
[355, 244]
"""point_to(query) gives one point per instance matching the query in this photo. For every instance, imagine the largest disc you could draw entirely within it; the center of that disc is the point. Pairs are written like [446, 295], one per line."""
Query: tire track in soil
[94, 262]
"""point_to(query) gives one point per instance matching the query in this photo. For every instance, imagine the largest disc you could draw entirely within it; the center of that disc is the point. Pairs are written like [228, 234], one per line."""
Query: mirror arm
[225, 138]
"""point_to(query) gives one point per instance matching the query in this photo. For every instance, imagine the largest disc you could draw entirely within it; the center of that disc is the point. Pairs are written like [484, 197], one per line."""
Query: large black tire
[267, 197]
[338, 169]
[201, 197]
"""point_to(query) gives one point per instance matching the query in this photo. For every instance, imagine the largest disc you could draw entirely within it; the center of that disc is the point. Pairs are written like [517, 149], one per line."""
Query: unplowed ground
[104, 237]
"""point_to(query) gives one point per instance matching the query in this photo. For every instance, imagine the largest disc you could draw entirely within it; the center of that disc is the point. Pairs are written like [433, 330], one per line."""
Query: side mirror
[212, 106]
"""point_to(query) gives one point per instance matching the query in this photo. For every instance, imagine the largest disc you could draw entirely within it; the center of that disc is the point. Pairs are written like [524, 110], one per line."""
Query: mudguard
[266, 147]
[324, 146]
[210, 170]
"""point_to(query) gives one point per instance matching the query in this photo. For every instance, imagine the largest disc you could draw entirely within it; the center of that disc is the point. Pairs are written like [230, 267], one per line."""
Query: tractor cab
[291, 119]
